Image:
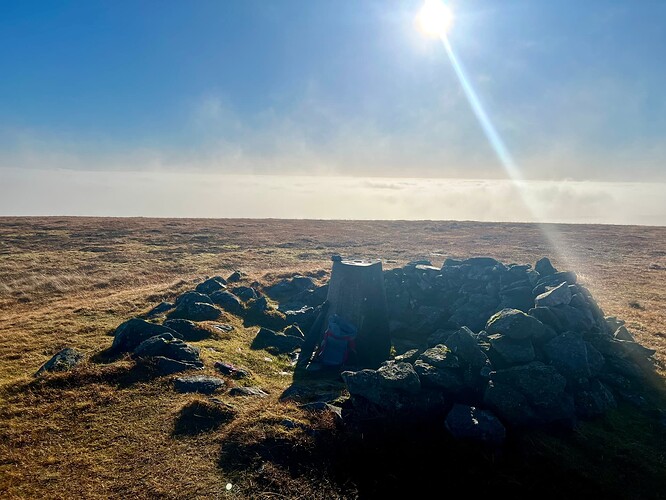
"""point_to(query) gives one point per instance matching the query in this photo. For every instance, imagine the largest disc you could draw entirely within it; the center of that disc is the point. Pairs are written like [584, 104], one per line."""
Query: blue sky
[577, 90]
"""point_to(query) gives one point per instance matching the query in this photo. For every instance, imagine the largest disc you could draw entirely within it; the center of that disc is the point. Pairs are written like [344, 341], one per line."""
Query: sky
[576, 91]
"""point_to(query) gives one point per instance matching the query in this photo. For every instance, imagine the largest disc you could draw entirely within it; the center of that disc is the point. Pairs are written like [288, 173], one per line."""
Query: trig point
[356, 293]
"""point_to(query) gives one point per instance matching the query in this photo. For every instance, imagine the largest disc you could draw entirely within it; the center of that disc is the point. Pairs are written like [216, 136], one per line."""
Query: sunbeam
[436, 18]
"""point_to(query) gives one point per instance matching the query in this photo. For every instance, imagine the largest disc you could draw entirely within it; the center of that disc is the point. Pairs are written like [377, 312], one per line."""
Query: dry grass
[107, 431]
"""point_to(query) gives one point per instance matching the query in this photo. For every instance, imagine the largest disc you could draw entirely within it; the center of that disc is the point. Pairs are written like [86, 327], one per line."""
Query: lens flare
[434, 20]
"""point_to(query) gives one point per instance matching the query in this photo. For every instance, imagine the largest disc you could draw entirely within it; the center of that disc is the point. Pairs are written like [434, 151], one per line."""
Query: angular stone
[463, 344]
[447, 379]
[568, 353]
[191, 298]
[544, 267]
[276, 342]
[227, 301]
[594, 401]
[383, 386]
[167, 346]
[64, 360]
[514, 324]
[166, 366]
[512, 351]
[133, 332]
[189, 330]
[560, 295]
[440, 357]
[195, 311]
[198, 383]
[160, 308]
[248, 391]
[211, 285]
[623, 334]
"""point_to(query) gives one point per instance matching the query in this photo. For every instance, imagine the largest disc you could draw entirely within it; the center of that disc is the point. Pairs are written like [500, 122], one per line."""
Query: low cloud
[158, 194]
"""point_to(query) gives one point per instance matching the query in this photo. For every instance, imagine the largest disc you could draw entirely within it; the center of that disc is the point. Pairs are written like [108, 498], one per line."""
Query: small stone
[198, 383]
[248, 391]
[62, 361]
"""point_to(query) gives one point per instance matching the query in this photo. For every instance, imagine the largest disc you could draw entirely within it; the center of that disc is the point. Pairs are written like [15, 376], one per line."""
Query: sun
[434, 19]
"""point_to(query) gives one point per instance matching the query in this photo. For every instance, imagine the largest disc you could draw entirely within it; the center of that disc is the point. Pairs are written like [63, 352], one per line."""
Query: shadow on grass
[200, 416]
[122, 375]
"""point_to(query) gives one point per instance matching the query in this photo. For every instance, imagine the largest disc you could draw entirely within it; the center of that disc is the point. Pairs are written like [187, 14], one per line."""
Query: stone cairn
[485, 345]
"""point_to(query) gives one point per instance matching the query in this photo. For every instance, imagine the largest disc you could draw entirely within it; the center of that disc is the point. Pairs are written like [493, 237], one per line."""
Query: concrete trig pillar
[356, 294]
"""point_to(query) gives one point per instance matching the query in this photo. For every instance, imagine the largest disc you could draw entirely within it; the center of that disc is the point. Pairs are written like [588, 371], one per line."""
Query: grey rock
[236, 276]
[463, 344]
[227, 301]
[160, 308]
[245, 293]
[514, 324]
[512, 351]
[543, 390]
[166, 366]
[198, 383]
[408, 356]
[64, 360]
[447, 379]
[195, 311]
[560, 295]
[248, 391]
[211, 285]
[547, 317]
[133, 332]
[519, 297]
[440, 356]
[568, 353]
[544, 267]
[623, 334]
[294, 331]
[384, 386]
[167, 346]
[191, 298]
[572, 319]
[594, 400]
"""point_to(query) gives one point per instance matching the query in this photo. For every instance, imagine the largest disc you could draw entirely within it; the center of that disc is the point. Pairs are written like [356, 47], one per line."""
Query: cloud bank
[158, 194]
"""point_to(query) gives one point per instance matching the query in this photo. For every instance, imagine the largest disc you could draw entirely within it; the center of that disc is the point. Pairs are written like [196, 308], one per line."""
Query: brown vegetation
[106, 430]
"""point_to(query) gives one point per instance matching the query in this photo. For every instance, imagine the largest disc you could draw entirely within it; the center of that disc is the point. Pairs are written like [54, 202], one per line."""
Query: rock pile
[485, 346]
[516, 346]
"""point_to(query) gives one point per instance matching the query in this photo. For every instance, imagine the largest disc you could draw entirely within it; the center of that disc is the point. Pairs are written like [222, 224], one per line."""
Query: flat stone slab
[198, 383]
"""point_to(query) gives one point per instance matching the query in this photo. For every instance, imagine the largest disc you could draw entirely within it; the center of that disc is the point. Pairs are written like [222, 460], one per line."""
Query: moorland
[105, 431]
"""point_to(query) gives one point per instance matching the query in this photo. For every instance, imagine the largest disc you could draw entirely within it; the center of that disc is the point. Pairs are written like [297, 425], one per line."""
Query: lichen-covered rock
[514, 324]
[385, 386]
[560, 295]
[447, 379]
[440, 356]
[248, 391]
[62, 361]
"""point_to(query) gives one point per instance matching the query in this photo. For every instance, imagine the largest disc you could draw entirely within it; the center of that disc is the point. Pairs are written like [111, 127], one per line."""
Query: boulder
[160, 308]
[594, 400]
[440, 357]
[536, 386]
[572, 318]
[235, 277]
[447, 379]
[166, 366]
[294, 331]
[167, 346]
[511, 351]
[227, 301]
[245, 293]
[383, 387]
[544, 267]
[64, 360]
[517, 297]
[621, 333]
[195, 311]
[560, 295]
[192, 297]
[514, 324]
[211, 285]
[569, 354]
[463, 344]
[133, 332]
